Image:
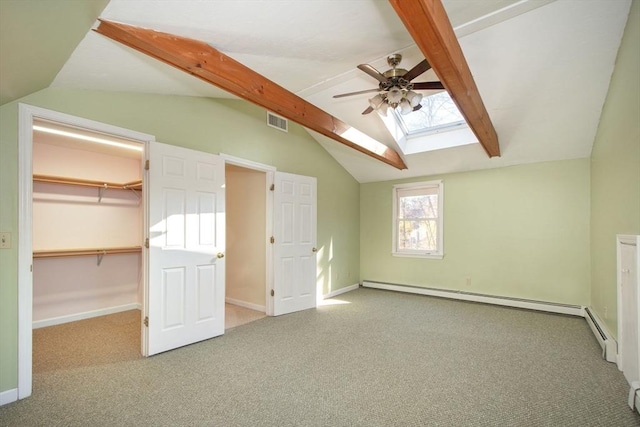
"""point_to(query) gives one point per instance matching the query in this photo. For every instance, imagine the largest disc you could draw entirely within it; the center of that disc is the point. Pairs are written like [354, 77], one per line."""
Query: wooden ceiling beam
[207, 63]
[429, 25]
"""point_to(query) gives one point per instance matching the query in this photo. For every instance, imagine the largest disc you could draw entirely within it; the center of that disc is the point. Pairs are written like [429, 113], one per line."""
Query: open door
[295, 221]
[185, 287]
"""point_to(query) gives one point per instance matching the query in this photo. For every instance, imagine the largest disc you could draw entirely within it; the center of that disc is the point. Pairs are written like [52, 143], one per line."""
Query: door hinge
[272, 292]
[273, 187]
[146, 165]
[146, 321]
[272, 239]
[146, 243]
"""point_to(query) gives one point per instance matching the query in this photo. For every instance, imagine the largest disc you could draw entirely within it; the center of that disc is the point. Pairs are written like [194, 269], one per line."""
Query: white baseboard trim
[551, 307]
[245, 304]
[85, 315]
[602, 334]
[341, 291]
[8, 396]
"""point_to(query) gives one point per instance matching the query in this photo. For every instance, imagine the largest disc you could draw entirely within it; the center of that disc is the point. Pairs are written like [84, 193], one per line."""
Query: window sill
[418, 255]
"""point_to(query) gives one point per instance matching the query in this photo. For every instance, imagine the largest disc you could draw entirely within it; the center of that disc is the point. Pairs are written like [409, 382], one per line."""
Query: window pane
[419, 206]
[437, 111]
[417, 235]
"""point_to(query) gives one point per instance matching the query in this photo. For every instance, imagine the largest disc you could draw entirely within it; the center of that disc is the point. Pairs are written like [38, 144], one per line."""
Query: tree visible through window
[438, 111]
[418, 219]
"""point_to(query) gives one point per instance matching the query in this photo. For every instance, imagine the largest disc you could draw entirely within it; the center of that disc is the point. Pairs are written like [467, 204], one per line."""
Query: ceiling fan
[395, 88]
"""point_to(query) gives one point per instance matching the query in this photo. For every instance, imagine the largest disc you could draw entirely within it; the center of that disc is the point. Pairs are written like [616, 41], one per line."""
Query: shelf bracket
[101, 192]
[100, 256]
[134, 192]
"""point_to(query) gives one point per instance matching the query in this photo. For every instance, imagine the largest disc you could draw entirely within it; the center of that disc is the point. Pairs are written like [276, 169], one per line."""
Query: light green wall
[229, 126]
[521, 231]
[615, 172]
[37, 38]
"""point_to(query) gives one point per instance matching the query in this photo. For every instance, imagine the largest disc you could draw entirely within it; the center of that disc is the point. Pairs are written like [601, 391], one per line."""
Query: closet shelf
[133, 185]
[100, 185]
[100, 252]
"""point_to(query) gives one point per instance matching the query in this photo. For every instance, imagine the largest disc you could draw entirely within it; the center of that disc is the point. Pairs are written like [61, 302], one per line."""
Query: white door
[294, 272]
[628, 313]
[185, 295]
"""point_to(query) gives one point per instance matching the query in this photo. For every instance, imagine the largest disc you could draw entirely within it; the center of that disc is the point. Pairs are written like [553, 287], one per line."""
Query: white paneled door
[185, 293]
[295, 219]
[628, 310]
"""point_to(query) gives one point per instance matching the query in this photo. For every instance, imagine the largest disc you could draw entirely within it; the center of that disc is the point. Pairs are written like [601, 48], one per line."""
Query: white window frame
[439, 252]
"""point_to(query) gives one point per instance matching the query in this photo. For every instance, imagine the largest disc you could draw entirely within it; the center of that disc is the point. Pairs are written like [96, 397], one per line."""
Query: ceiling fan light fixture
[405, 106]
[414, 98]
[394, 95]
[376, 101]
[384, 107]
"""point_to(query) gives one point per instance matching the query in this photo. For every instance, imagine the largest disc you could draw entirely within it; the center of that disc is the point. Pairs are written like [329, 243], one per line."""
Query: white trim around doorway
[26, 115]
[270, 172]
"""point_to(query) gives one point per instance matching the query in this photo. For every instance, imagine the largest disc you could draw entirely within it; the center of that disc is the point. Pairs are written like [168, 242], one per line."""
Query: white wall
[71, 217]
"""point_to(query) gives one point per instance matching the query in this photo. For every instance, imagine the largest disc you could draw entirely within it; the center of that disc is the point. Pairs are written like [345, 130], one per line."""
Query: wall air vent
[277, 122]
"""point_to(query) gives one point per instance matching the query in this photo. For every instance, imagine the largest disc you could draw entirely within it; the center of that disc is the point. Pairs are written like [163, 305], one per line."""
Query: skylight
[437, 113]
[437, 125]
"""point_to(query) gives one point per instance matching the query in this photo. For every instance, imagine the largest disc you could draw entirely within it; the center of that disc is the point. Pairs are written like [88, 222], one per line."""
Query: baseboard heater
[606, 341]
[552, 307]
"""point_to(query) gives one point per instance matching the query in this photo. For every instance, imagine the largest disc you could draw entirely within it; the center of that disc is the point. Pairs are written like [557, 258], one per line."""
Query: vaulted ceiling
[542, 67]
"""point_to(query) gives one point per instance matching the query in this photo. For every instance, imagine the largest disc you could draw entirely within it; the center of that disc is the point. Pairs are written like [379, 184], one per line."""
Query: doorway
[87, 234]
[249, 275]
[79, 194]
[246, 268]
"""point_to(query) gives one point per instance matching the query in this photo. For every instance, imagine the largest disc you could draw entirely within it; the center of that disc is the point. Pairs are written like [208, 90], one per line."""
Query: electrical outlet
[5, 240]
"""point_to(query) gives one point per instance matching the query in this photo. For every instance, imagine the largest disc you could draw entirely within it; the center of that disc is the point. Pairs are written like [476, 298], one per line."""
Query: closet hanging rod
[58, 253]
[87, 182]
[133, 185]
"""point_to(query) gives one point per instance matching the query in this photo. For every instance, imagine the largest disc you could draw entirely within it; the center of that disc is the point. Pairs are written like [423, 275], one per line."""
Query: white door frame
[270, 172]
[26, 115]
[632, 240]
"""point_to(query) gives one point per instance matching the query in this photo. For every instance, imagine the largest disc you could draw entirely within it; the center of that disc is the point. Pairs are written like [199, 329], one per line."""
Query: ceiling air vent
[277, 122]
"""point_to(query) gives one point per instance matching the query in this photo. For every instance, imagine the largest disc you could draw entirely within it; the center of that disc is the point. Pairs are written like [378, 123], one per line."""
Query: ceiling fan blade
[417, 107]
[342, 95]
[368, 110]
[428, 86]
[372, 72]
[422, 67]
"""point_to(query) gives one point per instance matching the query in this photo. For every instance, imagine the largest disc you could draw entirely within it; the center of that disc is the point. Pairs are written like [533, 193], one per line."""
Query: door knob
[220, 255]
[314, 250]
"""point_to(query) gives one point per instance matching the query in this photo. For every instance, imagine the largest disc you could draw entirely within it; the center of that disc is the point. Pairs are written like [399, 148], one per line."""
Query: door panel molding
[295, 231]
[186, 250]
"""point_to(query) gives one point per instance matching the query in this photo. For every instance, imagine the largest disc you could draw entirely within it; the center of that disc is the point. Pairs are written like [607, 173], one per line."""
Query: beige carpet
[106, 339]
[378, 359]
[91, 342]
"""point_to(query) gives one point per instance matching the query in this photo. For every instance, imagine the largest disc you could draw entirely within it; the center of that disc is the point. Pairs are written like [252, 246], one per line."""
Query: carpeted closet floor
[104, 340]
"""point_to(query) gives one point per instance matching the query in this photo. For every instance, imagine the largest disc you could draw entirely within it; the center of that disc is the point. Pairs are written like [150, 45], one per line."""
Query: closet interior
[87, 224]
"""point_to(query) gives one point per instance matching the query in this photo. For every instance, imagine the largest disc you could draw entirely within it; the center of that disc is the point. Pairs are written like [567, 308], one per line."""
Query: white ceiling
[542, 66]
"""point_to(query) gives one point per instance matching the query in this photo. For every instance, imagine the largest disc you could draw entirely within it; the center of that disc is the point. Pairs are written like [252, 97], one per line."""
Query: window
[417, 219]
